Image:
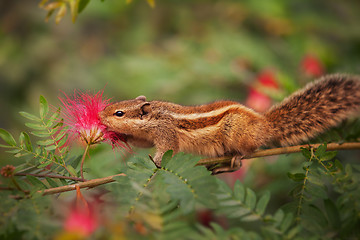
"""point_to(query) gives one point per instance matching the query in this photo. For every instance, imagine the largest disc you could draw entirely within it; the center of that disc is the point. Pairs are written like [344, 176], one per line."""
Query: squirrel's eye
[119, 113]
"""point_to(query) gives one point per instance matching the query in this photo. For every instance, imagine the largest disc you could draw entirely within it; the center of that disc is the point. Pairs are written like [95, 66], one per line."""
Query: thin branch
[282, 150]
[50, 176]
[261, 153]
[7, 188]
[83, 160]
[88, 184]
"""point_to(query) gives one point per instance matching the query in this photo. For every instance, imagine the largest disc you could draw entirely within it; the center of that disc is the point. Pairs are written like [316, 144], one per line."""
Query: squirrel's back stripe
[179, 110]
[204, 119]
[319, 106]
[202, 122]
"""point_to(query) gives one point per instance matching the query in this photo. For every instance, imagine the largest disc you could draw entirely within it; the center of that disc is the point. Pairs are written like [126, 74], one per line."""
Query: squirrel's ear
[142, 98]
[145, 109]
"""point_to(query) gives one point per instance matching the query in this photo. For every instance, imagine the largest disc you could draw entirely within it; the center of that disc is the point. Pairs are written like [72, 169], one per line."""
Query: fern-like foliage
[326, 195]
[49, 156]
[161, 199]
[242, 205]
[157, 196]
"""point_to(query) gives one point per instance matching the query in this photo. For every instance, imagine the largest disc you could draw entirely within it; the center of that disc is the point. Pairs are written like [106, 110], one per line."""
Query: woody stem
[282, 150]
[83, 160]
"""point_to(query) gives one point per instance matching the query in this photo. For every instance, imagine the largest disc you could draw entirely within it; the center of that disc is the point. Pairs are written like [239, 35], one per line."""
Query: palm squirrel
[227, 128]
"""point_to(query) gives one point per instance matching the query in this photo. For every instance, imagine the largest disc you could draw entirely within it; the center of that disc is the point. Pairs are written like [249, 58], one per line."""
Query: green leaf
[59, 124]
[82, 5]
[262, 203]
[41, 133]
[45, 142]
[25, 142]
[239, 191]
[44, 107]
[316, 191]
[306, 165]
[38, 150]
[50, 147]
[62, 141]
[320, 151]
[59, 135]
[166, 158]
[306, 153]
[250, 200]
[332, 213]
[286, 223]
[313, 219]
[293, 232]
[6, 146]
[72, 170]
[250, 218]
[51, 182]
[229, 203]
[17, 150]
[328, 156]
[63, 181]
[44, 164]
[36, 182]
[238, 212]
[30, 116]
[35, 126]
[297, 177]
[53, 117]
[339, 165]
[348, 169]
[315, 180]
[21, 154]
[7, 137]
[278, 217]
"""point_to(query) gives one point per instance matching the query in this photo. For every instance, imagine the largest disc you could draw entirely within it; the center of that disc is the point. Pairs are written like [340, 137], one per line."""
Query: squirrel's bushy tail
[315, 108]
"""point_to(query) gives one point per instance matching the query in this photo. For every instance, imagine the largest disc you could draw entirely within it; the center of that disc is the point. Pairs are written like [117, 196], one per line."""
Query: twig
[50, 176]
[83, 160]
[282, 150]
[88, 184]
[6, 188]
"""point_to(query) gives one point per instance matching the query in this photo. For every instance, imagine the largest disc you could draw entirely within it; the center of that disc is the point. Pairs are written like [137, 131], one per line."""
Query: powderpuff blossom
[81, 116]
[7, 171]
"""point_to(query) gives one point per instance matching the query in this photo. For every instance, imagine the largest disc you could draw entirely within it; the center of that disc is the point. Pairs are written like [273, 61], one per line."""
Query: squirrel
[228, 128]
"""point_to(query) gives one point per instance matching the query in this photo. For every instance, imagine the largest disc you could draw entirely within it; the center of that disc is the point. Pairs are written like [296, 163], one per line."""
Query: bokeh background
[189, 52]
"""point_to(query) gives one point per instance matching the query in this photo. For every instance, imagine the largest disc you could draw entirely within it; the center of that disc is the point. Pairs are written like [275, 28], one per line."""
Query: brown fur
[228, 128]
[315, 108]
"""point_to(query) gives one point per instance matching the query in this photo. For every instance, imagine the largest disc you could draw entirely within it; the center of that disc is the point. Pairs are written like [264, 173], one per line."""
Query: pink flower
[257, 99]
[312, 66]
[7, 171]
[267, 78]
[81, 115]
[82, 222]
[83, 218]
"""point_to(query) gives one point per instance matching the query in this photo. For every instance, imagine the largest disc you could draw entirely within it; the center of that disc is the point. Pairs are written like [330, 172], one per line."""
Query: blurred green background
[189, 52]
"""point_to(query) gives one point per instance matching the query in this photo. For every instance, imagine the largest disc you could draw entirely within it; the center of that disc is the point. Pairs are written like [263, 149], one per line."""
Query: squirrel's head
[126, 116]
